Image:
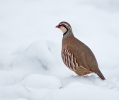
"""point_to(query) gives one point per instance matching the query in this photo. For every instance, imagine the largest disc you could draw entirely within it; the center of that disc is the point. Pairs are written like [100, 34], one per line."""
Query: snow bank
[42, 81]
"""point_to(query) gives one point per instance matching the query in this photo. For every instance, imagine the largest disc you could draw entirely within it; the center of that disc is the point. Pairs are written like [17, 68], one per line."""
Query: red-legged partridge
[76, 55]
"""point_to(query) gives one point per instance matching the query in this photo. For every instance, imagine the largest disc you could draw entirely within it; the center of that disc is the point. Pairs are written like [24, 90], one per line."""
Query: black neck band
[66, 31]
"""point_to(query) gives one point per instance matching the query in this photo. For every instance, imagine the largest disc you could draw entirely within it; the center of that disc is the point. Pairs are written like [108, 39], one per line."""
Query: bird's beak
[57, 26]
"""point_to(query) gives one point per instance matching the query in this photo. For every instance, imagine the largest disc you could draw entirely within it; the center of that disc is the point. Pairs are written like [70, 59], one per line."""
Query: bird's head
[64, 27]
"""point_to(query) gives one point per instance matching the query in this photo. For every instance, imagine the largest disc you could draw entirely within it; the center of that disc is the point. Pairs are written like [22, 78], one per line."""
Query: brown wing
[68, 58]
[71, 61]
[85, 57]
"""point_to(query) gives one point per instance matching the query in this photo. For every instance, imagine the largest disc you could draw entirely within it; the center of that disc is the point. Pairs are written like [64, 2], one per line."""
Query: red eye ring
[58, 26]
[62, 25]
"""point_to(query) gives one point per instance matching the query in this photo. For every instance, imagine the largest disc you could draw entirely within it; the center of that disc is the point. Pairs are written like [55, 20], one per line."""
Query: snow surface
[31, 67]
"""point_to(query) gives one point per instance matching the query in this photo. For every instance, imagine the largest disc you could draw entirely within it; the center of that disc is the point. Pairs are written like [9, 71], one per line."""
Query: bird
[76, 55]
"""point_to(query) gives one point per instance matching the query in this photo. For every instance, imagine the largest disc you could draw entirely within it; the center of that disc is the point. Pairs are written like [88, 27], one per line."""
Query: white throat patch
[63, 29]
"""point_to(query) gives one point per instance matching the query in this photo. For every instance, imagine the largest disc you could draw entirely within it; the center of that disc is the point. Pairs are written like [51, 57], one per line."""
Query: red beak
[57, 26]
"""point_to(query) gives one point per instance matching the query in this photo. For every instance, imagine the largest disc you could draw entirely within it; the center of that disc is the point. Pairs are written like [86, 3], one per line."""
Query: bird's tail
[100, 75]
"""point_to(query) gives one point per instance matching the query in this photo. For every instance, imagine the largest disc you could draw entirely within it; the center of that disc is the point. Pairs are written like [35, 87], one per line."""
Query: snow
[31, 67]
[42, 81]
[76, 91]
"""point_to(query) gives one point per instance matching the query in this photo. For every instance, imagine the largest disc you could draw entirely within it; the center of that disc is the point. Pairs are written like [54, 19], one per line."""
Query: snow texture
[31, 67]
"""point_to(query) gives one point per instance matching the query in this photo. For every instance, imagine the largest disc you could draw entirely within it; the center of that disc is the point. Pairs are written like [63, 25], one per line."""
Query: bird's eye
[62, 25]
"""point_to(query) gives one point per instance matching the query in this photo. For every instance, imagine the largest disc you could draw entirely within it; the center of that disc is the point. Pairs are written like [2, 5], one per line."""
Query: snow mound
[33, 55]
[42, 81]
[41, 57]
